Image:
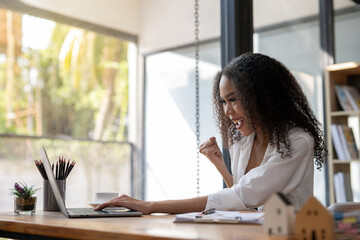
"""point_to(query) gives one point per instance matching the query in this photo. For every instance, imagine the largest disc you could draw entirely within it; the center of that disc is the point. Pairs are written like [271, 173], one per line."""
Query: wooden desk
[55, 225]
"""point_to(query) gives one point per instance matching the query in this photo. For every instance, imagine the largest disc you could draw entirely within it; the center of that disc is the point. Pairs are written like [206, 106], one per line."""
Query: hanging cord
[197, 104]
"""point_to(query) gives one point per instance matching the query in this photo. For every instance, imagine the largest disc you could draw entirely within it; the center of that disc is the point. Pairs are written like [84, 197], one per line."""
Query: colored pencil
[62, 168]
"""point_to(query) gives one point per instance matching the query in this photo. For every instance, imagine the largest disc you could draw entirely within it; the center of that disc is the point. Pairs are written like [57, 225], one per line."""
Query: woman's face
[232, 106]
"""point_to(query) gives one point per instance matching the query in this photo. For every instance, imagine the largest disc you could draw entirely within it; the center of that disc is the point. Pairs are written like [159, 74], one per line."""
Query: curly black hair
[271, 98]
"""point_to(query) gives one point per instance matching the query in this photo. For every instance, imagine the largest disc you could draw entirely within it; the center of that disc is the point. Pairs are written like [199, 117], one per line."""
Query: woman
[272, 135]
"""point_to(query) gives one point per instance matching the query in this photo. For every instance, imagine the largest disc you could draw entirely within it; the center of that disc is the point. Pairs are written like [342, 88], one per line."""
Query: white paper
[222, 217]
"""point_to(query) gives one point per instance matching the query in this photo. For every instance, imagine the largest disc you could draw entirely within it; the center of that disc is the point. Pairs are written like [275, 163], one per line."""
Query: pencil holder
[50, 203]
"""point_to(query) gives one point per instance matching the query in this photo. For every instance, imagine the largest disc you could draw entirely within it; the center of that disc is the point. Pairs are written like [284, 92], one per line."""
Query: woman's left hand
[128, 202]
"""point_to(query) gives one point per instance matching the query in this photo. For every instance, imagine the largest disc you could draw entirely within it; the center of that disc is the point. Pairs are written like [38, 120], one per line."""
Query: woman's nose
[228, 109]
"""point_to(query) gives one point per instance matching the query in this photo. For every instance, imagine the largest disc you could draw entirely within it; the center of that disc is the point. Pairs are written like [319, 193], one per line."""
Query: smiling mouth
[238, 123]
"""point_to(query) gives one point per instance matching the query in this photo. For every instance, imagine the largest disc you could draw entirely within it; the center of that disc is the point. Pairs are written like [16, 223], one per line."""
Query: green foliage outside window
[76, 87]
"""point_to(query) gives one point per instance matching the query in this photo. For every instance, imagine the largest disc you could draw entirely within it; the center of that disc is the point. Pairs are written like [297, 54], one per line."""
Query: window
[60, 80]
[170, 140]
[65, 88]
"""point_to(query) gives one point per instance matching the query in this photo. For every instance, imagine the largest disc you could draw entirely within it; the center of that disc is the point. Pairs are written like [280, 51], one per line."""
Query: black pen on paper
[208, 211]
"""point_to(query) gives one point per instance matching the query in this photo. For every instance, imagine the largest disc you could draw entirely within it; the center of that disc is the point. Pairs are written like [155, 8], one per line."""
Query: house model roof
[314, 221]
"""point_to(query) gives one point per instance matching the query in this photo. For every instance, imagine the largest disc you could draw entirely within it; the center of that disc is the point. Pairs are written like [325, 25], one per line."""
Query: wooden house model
[279, 215]
[314, 221]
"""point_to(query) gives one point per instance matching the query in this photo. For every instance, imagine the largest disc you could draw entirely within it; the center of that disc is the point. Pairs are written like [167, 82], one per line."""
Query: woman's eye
[222, 101]
[232, 99]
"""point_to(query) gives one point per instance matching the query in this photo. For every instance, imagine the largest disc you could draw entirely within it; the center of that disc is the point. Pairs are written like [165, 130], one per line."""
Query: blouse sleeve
[275, 174]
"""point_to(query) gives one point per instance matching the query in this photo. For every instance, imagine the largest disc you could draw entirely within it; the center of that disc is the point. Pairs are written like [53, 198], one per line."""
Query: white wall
[158, 24]
[161, 24]
[121, 15]
[165, 24]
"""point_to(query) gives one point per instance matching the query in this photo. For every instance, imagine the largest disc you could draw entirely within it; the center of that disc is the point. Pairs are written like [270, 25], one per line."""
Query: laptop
[80, 212]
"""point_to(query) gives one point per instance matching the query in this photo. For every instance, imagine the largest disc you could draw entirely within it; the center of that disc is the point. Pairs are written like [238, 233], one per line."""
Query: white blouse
[293, 176]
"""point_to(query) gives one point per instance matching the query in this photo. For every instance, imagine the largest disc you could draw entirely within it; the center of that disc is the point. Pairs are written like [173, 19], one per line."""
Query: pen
[209, 211]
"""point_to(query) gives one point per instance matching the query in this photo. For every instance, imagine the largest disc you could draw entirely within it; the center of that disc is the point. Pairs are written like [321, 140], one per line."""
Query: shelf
[335, 161]
[345, 114]
[340, 74]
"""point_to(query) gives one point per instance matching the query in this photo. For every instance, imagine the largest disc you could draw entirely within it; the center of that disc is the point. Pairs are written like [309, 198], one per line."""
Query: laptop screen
[51, 178]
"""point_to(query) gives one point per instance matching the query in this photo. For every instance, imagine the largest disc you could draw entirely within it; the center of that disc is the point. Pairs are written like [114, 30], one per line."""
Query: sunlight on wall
[170, 127]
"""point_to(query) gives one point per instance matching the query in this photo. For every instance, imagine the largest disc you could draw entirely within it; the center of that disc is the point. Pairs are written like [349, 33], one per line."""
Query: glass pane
[170, 139]
[58, 80]
[99, 167]
[347, 38]
[293, 38]
[59, 83]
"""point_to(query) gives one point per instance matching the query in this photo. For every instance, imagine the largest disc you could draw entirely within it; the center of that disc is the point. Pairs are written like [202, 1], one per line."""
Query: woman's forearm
[179, 206]
[228, 178]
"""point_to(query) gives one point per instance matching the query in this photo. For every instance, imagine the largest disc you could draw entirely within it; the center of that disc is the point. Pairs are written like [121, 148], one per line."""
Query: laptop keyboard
[83, 211]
